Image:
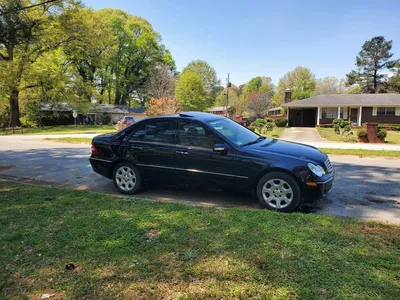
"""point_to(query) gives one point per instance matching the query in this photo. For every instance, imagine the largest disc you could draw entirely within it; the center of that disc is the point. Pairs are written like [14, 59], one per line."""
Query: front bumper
[324, 186]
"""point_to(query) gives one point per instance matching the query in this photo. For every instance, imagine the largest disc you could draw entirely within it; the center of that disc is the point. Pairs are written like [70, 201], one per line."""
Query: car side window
[193, 134]
[161, 131]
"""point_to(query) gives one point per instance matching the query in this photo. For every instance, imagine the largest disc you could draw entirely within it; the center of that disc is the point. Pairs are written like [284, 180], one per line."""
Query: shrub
[106, 118]
[341, 126]
[262, 125]
[232, 110]
[252, 128]
[281, 122]
[351, 139]
[361, 133]
[269, 120]
[382, 134]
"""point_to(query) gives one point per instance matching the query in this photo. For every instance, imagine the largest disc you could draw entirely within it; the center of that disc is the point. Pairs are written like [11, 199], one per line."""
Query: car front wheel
[126, 178]
[279, 191]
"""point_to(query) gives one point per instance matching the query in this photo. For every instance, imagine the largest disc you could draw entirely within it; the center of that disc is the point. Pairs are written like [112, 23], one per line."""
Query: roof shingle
[347, 100]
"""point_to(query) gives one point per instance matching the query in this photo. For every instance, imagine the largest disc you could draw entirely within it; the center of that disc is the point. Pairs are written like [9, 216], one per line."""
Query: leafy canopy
[301, 81]
[191, 93]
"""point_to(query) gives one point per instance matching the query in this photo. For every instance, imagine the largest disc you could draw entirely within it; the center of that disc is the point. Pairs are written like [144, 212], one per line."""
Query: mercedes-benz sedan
[206, 149]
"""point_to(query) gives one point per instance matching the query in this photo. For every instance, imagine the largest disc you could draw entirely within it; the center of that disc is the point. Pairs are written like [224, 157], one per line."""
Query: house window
[386, 111]
[329, 113]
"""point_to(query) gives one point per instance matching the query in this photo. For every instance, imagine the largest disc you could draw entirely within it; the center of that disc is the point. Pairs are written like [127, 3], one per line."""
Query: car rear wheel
[279, 191]
[126, 178]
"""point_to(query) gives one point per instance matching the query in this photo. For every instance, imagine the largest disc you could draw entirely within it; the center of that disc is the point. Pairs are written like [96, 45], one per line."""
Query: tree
[301, 81]
[330, 85]
[163, 106]
[234, 97]
[263, 84]
[373, 58]
[138, 50]
[161, 82]
[258, 102]
[393, 83]
[25, 35]
[191, 93]
[208, 77]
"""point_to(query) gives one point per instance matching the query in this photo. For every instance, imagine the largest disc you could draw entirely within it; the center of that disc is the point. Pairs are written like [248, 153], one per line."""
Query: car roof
[190, 115]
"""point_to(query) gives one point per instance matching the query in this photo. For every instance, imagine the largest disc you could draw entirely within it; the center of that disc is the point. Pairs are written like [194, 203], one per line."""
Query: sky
[267, 38]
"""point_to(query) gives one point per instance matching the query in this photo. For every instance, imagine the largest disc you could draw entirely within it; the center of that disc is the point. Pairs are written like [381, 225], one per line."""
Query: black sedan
[206, 149]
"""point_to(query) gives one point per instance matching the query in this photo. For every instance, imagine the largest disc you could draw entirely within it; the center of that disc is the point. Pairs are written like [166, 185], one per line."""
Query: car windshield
[234, 132]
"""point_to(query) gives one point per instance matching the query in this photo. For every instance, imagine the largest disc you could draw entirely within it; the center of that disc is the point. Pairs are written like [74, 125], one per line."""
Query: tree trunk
[117, 96]
[14, 108]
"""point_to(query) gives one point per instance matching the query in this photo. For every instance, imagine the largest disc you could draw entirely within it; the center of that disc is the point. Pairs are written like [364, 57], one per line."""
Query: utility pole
[228, 84]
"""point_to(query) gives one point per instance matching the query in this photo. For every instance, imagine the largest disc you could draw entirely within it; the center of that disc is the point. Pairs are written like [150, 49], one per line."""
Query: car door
[151, 146]
[197, 162]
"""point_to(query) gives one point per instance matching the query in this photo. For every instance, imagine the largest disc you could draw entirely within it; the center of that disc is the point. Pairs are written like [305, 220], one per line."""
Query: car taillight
[94, 150]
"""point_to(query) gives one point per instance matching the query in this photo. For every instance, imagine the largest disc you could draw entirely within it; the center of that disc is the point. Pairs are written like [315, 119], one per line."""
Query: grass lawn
[66, 129]
[393, 137]
[361, 152]
[72, 140]
[329, 134]
[131, 248]
[276, 132]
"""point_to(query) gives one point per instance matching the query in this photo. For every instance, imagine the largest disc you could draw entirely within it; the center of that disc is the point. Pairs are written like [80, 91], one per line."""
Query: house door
[353, 115]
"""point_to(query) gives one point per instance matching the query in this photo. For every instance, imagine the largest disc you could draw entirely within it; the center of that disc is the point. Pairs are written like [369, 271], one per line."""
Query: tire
[126, 178]
[279, 191]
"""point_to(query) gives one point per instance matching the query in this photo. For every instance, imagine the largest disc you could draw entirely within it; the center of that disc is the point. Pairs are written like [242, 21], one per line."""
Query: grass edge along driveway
[131, 248]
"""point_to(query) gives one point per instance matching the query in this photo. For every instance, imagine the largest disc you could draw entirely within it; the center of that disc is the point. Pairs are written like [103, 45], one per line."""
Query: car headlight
[316, 169]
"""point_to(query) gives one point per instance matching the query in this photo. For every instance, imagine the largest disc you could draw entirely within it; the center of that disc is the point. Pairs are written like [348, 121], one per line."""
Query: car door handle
[136, 147]
[181, 152]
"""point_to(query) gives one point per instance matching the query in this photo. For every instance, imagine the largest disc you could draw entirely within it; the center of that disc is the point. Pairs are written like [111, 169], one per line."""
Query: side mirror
[221, 148]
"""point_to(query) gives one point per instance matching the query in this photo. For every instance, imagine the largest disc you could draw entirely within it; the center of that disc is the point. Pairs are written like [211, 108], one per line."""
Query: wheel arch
[277, 169]
[115, 163]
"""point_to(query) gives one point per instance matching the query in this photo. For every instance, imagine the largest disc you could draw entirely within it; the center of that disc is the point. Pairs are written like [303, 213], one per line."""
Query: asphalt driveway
[367, 188]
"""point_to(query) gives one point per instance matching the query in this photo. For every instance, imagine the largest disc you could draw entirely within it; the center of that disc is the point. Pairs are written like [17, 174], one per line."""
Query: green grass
[137, 249]
[66, 129]
[276, 132]
[329, 134]
[72, 140]
[361, 152]
[393, 137]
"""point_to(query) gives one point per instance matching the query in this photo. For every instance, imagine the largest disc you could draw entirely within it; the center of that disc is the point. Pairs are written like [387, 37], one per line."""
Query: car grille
[328, 166]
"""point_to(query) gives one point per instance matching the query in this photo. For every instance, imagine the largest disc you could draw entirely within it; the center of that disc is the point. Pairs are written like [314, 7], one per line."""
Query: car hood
[291, 149]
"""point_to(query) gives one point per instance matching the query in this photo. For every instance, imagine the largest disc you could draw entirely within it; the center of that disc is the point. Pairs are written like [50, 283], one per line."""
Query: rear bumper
[101, 166]
[323, 187]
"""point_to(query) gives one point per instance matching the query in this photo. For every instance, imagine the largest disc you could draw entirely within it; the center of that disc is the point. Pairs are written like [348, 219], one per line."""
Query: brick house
[357, 108]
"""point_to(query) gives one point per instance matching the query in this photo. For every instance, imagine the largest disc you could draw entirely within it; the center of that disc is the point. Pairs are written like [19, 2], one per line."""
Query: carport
[302, 117]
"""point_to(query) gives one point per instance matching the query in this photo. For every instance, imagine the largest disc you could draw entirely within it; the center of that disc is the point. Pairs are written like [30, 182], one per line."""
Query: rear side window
[161, 131]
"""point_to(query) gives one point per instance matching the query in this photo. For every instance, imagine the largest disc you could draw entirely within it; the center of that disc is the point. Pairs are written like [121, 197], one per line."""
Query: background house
[218, 110]
[357, 108]
[61, 113]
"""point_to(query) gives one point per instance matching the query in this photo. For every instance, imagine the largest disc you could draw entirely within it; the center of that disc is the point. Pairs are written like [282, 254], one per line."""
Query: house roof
[137, 110]
[347, 100]
[217, 108]
[275, 108]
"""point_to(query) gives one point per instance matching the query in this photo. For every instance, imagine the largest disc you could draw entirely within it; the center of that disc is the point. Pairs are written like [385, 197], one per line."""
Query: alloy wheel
[277, 193]
[125, 178]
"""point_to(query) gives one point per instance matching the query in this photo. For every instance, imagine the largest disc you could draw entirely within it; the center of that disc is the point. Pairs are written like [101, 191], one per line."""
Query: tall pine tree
[373, 58]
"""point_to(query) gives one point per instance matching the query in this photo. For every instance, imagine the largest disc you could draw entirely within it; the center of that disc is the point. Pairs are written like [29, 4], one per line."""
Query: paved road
[367, 188]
